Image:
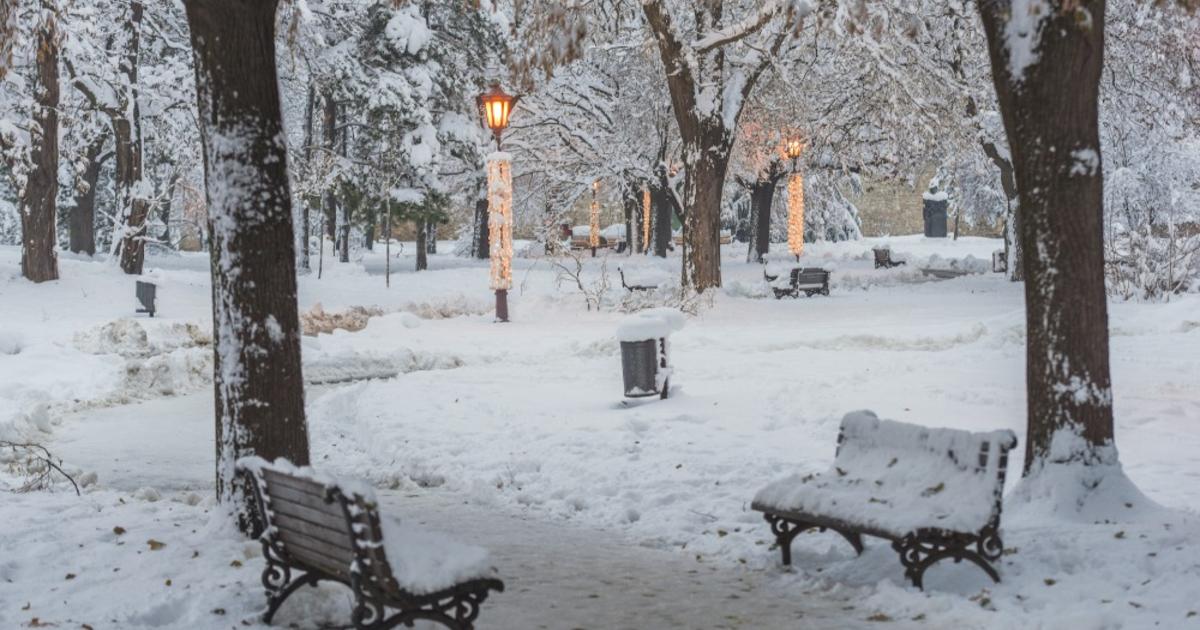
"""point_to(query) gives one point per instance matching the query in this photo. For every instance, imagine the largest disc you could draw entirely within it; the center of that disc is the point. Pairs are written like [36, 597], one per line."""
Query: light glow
[646, 219]
[795, 191]
[594, 226]
[500, 221]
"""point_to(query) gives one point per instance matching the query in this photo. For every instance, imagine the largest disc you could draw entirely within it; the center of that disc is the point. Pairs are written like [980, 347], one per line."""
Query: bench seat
[425, 561]
[923, 489]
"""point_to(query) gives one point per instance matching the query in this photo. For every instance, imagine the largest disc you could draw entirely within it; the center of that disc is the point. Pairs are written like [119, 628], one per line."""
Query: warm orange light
[497, 105]
[793, 148]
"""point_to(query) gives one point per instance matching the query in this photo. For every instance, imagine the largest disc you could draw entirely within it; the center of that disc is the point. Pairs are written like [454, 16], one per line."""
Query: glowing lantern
[497, 105]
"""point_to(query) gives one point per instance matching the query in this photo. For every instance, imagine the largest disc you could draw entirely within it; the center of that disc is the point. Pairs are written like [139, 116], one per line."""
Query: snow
[424, 561]
[655, 323]
[935, 196]
[520, 426]
[897, 477]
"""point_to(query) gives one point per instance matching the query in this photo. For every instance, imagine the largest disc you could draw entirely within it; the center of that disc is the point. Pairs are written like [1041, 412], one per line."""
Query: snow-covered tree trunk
[329, 118]
[762, 197]
[127, 127]
[1046, 66]
[257, 377]
[480, 235]
[422, 245]
[663, 210]
[39, 261]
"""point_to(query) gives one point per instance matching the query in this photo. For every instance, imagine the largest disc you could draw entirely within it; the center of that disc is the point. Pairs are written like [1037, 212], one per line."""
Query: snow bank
[653, 323]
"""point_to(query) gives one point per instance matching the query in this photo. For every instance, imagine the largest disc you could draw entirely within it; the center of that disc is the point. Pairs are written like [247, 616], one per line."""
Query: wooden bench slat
[295, 483]
[317, 554]
[298, 497]
[319, 532]
[325, 519]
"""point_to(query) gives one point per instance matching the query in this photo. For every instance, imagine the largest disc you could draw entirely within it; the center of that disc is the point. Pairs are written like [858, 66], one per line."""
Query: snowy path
[558, 575]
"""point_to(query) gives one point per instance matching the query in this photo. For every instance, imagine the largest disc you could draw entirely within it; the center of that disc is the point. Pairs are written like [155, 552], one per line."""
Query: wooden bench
[810, 280]
[635, 287]
[883, 259]
[934, 493]
[332, 531]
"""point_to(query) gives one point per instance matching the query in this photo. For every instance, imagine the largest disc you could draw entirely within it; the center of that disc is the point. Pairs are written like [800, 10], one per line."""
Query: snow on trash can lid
[654, 323]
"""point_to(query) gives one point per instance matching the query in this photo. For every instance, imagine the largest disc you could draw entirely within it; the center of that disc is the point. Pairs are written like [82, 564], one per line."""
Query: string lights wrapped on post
[646, 219]
[793, 148]
[497, 105]
[594, 225]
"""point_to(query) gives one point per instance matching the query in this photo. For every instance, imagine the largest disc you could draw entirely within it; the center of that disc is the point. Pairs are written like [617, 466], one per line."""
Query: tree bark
[82, 227]
[762, 197]
[1051, 119]
[128, 131]
[482, 248]
[422, 245]
[1012, 245]
[310, 119]
[660, 229]
[39, 261]
[329, 115]
[257, 376]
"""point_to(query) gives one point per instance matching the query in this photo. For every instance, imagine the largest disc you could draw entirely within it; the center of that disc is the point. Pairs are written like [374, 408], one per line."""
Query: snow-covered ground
[524, 420]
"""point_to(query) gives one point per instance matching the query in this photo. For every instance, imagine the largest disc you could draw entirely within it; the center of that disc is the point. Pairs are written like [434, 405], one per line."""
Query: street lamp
[793, 147]
[497, 106]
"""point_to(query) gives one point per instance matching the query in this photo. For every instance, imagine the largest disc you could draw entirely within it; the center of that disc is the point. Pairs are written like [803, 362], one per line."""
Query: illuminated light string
[594, 227]
[795, 191]
[500, 219]
[646, 219]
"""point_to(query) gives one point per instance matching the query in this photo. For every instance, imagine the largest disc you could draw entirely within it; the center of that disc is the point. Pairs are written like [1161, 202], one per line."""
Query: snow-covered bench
[331, 530]
[810, 280]
[935, 493]
[883, 258]
[644, 279]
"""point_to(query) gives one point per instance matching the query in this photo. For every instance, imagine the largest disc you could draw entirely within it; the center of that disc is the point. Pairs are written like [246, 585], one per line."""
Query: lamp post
[793, 147]
[497, 105]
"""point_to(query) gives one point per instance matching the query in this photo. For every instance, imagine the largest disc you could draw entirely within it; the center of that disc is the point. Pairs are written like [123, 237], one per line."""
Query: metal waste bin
[146, 295]
[641, 362]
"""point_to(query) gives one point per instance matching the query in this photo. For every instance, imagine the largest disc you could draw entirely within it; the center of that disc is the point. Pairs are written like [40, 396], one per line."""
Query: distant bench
[329, 531]
[935, 493]
[811, 280]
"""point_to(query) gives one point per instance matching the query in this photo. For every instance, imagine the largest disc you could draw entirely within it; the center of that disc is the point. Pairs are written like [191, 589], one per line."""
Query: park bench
[810, 280]
[332, 531]
[146, 295]
[883, 258]
[643, 282]
[934, 493]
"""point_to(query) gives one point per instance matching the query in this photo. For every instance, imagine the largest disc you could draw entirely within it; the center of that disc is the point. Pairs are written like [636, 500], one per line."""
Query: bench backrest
[809, 275]
[318, 524]
[913, 449]
[883, 255]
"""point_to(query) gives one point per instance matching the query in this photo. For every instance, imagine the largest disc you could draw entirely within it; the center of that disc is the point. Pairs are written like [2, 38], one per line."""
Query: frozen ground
[522, 423]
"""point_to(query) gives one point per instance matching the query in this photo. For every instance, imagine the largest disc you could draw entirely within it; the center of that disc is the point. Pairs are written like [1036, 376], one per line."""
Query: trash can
[146, 294]
[645, 350]
[640, 364]
[936, 206]
[999, 261]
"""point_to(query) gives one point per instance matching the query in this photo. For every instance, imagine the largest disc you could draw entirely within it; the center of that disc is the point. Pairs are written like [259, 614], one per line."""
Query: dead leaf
[235, 564]
[118, 530]
[70, 576]
[155, 545]
[879, 617]
[934, 490]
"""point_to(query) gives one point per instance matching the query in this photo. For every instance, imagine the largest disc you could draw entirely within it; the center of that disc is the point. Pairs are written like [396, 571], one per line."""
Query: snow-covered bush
[1145, 265]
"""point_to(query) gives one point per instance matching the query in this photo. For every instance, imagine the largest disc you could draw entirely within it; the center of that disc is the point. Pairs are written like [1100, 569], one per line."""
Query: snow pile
[424, 561]
[898, 477]
[653, 323]
[10, 342]
[316, 321]
[644, 276]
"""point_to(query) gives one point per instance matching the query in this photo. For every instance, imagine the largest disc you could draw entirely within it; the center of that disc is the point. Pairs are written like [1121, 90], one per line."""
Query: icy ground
[513, 436]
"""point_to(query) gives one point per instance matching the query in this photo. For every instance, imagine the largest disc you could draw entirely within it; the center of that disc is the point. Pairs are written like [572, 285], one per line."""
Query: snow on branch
[735, 32]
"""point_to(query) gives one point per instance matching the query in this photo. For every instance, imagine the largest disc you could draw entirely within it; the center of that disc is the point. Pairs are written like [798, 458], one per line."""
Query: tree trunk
[128, 130]
[1050, 116]
[39, 261]
[82, 228]
[632, 207]
[431, 239]
[257, 377]
[369, 236]
[661, 227]
[762, 197]
[310, 120]
[329, 114]
[482, 249]
[422, 240]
